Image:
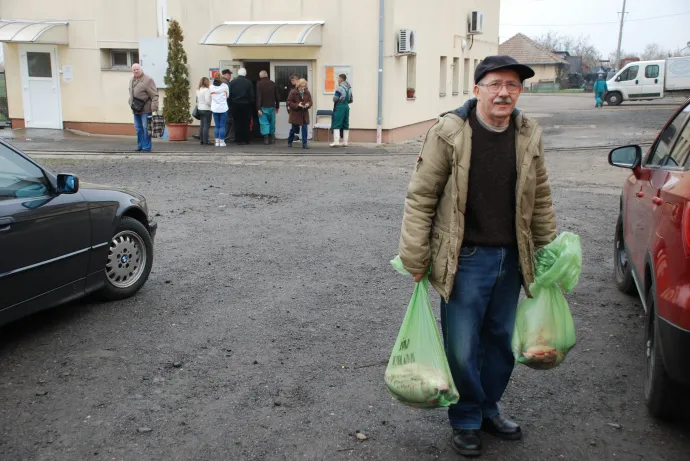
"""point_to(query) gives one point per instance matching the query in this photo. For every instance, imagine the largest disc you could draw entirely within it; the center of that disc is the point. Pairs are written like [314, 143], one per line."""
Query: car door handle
[640, 194]
[656, 80]
[657, 201]
[5, 224]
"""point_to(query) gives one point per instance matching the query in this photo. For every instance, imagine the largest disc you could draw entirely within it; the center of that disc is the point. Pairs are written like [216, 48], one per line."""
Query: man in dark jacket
[267, 105]
[241, 98]
[229, 128]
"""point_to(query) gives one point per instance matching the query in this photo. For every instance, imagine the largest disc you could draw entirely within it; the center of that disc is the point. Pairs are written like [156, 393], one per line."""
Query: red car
[652, 256]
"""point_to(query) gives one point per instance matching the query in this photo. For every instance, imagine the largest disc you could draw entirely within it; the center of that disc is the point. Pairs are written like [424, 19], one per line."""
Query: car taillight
[685, 228]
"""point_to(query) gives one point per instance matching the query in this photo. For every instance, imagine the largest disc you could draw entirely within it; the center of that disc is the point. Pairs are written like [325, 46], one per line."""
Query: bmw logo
[124, 259]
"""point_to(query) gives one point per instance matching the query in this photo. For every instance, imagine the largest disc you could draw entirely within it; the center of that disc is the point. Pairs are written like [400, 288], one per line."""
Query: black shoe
[501, 427]
[273, 139]
[267, 140]
[467, 442]
[196, 136]
[305, 146]
[289, 144]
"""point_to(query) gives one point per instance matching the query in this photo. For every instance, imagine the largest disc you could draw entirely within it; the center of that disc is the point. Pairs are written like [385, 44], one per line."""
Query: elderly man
[267, 105]
[478, 205]
[241, 98]
[143, 100]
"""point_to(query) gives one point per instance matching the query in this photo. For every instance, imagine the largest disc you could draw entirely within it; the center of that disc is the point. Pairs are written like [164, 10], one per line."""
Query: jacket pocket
[440, 242]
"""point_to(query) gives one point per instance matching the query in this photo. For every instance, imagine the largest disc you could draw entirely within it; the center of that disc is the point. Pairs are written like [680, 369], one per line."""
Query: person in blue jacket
[600, 89]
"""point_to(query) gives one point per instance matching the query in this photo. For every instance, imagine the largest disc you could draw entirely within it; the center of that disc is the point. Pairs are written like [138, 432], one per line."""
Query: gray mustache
[500, 100]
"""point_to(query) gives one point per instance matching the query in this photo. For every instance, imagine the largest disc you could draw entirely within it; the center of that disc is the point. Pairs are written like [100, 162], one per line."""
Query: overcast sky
[600, 20]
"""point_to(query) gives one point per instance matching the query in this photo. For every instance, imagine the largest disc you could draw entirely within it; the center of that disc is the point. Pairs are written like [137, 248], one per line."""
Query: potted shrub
[176, 102]
[410, 93]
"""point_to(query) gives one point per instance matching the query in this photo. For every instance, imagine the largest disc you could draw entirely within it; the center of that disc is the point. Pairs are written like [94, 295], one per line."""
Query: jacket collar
[464, 111]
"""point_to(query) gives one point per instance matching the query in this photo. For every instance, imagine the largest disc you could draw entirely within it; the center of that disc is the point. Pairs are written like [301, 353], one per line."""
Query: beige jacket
[144, 89]
[434, 221]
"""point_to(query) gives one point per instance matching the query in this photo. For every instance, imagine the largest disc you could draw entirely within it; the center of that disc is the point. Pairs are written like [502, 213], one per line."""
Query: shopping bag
[418, 374]
[544, 328]
[156, 125]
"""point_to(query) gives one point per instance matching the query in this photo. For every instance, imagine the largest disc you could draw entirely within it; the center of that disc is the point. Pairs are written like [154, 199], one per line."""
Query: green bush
[176, 103]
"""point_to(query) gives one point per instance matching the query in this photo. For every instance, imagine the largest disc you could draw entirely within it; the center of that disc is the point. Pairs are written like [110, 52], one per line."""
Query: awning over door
[265, 33]
[29, 31]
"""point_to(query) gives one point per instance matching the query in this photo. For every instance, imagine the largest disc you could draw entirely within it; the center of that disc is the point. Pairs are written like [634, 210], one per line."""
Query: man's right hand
[417, 278]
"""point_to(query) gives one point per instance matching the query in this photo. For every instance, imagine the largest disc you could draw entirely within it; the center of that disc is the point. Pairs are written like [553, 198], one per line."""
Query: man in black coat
[241, 99]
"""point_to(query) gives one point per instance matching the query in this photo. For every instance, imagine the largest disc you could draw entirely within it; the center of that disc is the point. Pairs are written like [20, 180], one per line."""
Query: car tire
[614, 99]
[130, 258]
[622, 270]
[661, 394]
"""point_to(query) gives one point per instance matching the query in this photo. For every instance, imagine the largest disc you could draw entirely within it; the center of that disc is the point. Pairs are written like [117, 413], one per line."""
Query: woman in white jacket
[219, 106]
[203, 104]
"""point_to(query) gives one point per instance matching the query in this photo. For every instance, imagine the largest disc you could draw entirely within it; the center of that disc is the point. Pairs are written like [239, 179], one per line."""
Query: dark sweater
[241, 91]
[490, 212]
[267, 94]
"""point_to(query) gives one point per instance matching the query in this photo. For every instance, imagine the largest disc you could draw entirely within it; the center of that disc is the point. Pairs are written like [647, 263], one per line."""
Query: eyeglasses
[495, 87]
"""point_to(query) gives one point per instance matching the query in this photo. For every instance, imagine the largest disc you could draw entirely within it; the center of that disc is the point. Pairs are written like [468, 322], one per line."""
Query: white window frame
[130, 59]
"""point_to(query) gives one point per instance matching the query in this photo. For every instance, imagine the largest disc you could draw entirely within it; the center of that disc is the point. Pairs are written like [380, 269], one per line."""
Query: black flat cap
[492, 63]
[226, 71]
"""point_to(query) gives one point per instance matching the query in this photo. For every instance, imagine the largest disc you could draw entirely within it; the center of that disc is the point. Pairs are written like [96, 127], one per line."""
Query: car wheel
[621, 265]
[130, 257]
[660, 392]
[614, 99]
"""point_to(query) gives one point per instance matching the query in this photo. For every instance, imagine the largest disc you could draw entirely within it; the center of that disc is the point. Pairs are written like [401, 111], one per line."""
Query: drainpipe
[379, 119]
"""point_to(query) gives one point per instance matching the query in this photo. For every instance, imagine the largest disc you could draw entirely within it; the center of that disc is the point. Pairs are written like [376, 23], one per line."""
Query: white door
[629, 81]
[40, 86]
[280, 73]
[652, 81]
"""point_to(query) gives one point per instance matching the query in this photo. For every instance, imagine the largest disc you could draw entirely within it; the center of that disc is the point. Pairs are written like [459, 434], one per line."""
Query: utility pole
[620, 38]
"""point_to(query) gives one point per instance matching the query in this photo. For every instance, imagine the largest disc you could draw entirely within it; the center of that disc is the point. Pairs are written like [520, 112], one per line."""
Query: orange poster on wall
[329, 87]
[331, 73]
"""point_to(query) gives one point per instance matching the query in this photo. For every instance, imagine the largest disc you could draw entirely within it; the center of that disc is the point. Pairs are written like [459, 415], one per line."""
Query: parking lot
[265, 328]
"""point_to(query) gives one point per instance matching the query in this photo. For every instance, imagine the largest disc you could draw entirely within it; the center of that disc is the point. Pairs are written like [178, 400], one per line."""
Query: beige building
[68, 62]
[547, 66]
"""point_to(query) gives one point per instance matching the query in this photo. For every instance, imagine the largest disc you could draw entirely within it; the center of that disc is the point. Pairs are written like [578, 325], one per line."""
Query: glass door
[281, 71]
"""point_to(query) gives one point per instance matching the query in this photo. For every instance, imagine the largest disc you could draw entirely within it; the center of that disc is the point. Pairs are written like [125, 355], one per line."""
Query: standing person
[203, 104]
[219, 107]
[229, 127]
[241, 97]
[600, 89]
[460, 218]
[267, 106]
[341, 111]
[294, 79]
[143, 100]
[299, 101]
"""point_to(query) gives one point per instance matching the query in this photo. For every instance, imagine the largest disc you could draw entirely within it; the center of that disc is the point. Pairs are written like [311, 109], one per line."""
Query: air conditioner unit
[406, 42]
[475, 23]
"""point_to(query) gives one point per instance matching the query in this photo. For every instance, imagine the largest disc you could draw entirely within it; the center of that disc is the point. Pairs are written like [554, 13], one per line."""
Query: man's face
[227, 76]
[498, 93]
[136, 71]
[293, 80]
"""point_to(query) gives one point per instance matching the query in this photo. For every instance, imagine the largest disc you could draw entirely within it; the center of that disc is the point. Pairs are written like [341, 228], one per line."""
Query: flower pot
[177, 131]
[410, 94]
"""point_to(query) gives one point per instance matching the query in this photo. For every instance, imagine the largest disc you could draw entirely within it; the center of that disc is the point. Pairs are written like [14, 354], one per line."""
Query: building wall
[100, 96]
[542, 72]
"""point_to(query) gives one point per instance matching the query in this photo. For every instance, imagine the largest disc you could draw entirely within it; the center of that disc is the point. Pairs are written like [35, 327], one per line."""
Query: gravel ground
[271, 311]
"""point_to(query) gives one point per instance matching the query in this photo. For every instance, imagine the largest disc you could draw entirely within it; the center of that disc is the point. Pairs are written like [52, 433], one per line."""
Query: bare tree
[653, 51]
[624, 54]
[576, 46]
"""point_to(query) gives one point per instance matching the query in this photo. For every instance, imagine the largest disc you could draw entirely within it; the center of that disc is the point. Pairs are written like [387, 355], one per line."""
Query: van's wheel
[129, 260]
[614, 99]
[621, 265]
[660, 392]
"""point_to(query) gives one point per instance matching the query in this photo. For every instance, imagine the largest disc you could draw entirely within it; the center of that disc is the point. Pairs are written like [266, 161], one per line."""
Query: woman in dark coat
[299, 101]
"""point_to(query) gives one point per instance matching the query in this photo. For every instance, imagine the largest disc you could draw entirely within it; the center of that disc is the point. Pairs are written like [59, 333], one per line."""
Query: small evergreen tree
[176, 103]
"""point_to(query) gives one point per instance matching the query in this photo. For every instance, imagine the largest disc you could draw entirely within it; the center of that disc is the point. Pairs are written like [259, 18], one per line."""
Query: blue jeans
[477, 324]
[294, 130]
[141, 125]
[219, 118]
[267, 121]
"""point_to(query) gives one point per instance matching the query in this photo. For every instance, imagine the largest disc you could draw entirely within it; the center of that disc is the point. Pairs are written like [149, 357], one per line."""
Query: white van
[646, 80]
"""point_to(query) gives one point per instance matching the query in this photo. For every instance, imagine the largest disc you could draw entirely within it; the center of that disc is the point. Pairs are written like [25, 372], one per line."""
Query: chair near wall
[322, 125]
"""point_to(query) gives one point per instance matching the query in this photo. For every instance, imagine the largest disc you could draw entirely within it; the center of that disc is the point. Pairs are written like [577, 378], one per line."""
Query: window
[443, 78]
[663, 151]
[123, 59]
[466, 77]
[456, 76]
[39, 64]
[19, 178]
[411, 74]
[651, 71]
[629, 74]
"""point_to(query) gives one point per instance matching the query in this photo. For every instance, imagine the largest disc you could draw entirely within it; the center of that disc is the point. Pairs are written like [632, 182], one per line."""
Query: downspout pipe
[379, 118]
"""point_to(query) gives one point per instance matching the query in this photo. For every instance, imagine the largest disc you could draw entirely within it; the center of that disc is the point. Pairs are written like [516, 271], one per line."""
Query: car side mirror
[626, 157]
[618, 79]
[67, 184]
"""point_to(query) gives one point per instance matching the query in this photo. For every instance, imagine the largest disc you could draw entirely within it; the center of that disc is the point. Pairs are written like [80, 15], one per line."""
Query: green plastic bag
[544, 328]
[418, 374]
